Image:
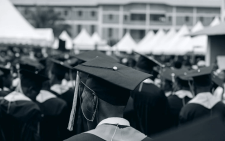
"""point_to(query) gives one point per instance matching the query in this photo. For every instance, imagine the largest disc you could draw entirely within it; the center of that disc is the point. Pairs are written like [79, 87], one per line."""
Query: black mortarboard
[31, 69]
[73, 62]
[217, 81]
[111, 81]
[87, 56]
[59, 68]
[201, 76]
[30, 65]
[209, 129]
[62, 45]
[5, 70]
[146, 63]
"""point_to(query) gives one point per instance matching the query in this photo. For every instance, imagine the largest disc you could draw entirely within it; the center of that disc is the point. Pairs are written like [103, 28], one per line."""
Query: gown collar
[205, 99]
[16, 96]
[44, 96]
[182, 93]
[115, 120]
[59, 88]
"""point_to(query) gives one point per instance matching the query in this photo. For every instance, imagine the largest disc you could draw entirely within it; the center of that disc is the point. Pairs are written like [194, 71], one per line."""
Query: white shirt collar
[115, 120]
[44, 95]
[205, 99]
[183, 93]
[59, 88]
[148, 81]
[168, 93]
[16, 96]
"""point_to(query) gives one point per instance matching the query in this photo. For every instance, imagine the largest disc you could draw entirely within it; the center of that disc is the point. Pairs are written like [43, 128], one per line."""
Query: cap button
[115, 68]
[61, 63]
[198, 70]
[36, 72]
[185, 73]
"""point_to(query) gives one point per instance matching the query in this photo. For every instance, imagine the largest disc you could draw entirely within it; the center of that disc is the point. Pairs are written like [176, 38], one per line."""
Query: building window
[110, 17]
[158, 18]
[170, 19]
[92, 29]
[138, 17]
[201, 19]
[93, 13]
[187, 19]
[78, 28]
[79, 13]
[110, 32]
[65, 12]
[26, 11]
[125, 17]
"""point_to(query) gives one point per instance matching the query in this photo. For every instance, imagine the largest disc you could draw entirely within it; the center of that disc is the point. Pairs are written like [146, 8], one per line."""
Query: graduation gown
[4, 92]
[66, 93]
[53, 125]
[176, 101]
[204, 104]
[19, 118]
[151, 109]
[117, 129]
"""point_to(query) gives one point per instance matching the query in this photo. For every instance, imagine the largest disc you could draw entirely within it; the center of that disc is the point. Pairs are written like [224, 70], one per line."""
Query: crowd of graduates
[61, 96]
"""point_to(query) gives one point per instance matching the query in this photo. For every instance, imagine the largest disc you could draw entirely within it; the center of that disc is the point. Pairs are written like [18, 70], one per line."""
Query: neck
[202, 91]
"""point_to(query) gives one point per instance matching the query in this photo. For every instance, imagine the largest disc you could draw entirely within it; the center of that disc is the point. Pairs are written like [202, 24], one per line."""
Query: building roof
[197, 3]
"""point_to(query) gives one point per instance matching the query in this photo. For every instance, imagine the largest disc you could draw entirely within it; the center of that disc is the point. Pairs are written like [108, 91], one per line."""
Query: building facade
[113, 19]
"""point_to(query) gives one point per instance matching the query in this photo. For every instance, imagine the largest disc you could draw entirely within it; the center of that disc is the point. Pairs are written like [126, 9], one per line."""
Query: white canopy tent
[101, 44]
[176, 41]
[83, 41]
[199, 43]
[164, 42]
[216, 21]
[47, 36]
[65, 37]
[14, 28]
[149, 45]
[155, 43]
[126, 44]
[143, 42]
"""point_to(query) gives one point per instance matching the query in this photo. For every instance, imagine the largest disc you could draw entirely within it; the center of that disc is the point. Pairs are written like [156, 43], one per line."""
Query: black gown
[176, 103]
[19, 118]
[150, 109]
[80, 125]
[204, 104]
[53, 125]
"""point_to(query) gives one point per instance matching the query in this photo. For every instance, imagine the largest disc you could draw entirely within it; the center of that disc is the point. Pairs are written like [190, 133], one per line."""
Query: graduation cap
[59, 68]
[146, 63]
[73, 62]
[201, 76]
[217, 81]
[62, 45]
[111, 81]
[208, 129]
[30, 65]
[87, 56]
[5, 70]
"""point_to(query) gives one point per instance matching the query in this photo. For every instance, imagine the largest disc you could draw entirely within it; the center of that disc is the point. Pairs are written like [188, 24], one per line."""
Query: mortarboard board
[59, 68]
[114, 73]
[5, 70]
[32, 69]
[217, 81]
[148, 60]
[87, 56]
[30, 65]
[73, 62]
[208, 129]
[201, 76]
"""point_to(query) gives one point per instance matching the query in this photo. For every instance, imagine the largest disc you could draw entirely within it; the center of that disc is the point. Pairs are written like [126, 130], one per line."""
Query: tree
[47, 17]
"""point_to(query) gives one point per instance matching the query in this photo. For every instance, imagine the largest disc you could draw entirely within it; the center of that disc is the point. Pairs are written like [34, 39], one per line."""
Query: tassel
[73, 112]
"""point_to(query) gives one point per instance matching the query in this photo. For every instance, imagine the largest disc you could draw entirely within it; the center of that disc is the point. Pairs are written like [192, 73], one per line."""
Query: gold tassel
[73, 111]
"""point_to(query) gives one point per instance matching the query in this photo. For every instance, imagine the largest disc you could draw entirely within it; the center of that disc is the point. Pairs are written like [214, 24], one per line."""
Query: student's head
[31, 83]
[202, 83]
